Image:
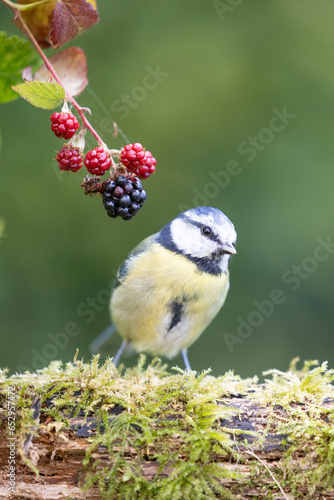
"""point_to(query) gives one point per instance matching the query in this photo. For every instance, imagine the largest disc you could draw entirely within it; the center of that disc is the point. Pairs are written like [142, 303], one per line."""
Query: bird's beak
[228, 248]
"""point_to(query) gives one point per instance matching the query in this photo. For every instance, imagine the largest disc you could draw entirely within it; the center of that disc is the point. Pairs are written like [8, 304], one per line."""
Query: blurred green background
[226, 70]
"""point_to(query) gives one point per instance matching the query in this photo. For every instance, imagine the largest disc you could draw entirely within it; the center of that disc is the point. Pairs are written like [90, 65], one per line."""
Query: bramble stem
[53, 72]
[58, 80]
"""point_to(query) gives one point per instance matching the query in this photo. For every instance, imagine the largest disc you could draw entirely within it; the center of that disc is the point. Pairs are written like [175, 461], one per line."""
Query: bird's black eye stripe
[206, 230]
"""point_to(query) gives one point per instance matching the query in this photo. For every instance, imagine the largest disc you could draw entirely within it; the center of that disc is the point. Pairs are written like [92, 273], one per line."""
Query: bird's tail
[103, 344]
[107, 343]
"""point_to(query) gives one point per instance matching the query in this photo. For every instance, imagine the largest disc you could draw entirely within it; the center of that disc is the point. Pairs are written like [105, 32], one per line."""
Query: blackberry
[147, 169]
[64, 125]
[133, 156]
[123, 197]
[97, 161]
[138, 161]
[69, 158]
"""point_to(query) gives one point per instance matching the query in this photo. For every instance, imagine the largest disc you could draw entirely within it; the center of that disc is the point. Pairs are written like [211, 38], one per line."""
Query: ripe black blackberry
[123, 197]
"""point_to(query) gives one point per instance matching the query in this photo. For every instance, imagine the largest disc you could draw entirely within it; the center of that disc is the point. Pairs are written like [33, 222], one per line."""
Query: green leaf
[15, 54]
[41, 94]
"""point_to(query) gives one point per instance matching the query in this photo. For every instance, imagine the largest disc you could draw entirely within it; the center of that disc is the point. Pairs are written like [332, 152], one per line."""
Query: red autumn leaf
[55, 23]
[70, 19]
[71, 67]
[38, 20]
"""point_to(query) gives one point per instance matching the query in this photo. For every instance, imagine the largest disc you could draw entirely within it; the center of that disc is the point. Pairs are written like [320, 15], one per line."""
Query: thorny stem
[53, 72]
[56, 77]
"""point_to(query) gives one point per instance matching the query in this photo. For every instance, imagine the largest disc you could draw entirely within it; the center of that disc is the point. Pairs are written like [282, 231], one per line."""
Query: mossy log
[89, 431]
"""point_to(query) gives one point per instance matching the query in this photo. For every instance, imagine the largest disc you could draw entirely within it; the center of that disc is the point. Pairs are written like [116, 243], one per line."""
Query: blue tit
[172, 285]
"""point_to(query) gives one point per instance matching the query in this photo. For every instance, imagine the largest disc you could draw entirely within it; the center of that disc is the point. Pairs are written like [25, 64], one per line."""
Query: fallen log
[91, 431]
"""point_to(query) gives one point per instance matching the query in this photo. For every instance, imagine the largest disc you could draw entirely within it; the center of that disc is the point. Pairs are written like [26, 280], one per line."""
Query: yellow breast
[141, 305]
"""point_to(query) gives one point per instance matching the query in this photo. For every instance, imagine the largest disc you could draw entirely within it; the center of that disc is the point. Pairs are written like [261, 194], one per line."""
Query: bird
[172, 285]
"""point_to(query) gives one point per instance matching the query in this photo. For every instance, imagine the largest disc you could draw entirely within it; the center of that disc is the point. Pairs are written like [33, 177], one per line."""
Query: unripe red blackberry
[133, 156]
[97, 161]
[137, 160]
[147, 169]
[64, 125]
[69, 158]
[123, 197]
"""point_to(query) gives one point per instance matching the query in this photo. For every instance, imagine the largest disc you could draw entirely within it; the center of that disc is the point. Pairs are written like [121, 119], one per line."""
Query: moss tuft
[159, 434]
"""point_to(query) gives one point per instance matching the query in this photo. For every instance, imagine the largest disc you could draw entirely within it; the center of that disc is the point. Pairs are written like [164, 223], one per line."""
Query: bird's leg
[120, 352]
[185, 359]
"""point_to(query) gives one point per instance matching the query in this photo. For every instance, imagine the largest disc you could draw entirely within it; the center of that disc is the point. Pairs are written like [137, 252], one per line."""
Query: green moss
[307, 468]
[187, 436]
[171, 421]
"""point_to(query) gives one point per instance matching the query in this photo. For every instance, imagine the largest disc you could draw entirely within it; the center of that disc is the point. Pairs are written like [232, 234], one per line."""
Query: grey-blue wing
[106, 342]
[124, 268]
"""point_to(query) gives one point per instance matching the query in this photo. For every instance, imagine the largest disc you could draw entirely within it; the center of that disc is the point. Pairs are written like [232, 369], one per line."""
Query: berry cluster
[64, 125]
[123, 193]
[137, 160]
[123, 197]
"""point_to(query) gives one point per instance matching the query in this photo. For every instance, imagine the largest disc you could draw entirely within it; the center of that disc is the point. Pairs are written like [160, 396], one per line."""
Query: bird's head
[203, 235]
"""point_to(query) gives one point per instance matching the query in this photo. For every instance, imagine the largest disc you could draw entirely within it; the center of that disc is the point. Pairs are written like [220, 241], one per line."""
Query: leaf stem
[24, 7]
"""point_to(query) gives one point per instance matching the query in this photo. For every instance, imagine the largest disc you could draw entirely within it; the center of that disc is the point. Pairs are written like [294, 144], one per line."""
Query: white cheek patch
[189, 239]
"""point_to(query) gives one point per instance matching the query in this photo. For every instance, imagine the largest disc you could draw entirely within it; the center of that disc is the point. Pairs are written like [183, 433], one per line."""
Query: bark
[59, 457]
